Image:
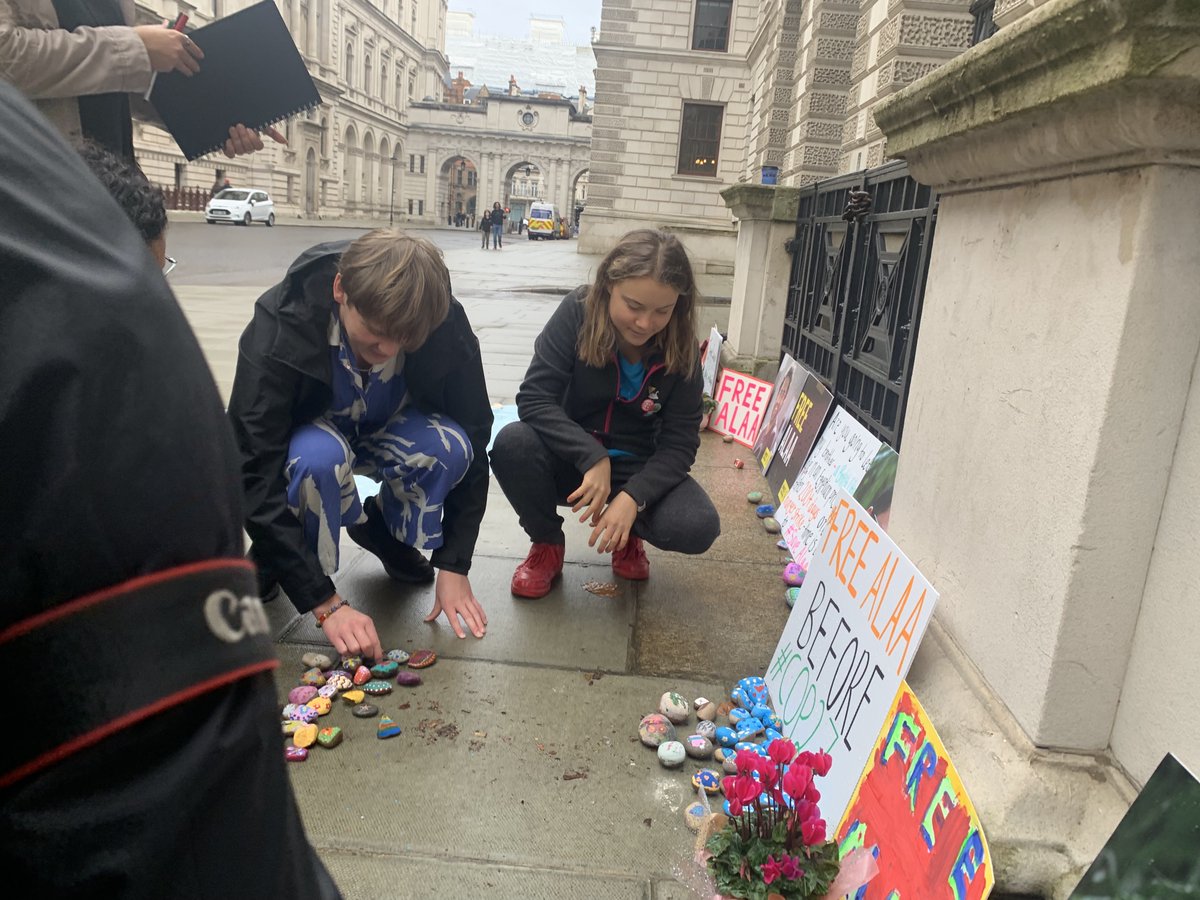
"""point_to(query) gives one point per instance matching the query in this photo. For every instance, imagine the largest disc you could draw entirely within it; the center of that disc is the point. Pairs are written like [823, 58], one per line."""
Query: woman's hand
[454, 597]
[593, 491]
[352, 633]
[611, 532]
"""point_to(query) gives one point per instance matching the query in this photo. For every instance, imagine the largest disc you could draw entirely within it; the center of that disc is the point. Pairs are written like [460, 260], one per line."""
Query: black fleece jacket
[283, 380]
[577, 409]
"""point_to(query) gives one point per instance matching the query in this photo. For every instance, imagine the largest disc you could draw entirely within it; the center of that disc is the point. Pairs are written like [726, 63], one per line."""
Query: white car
[240, 205]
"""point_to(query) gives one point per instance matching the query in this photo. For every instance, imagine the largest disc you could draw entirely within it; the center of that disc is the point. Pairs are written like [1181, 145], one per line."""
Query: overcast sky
[510, 18]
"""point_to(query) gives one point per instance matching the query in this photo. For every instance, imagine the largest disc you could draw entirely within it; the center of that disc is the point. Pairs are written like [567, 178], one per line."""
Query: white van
[543, 221]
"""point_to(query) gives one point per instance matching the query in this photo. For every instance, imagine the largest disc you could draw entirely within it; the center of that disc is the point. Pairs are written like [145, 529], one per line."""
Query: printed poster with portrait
[783, 396]
[806, 415]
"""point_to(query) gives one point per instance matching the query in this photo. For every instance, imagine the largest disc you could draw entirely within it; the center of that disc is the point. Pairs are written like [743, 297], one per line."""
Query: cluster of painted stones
[751, 725]
[351, 681]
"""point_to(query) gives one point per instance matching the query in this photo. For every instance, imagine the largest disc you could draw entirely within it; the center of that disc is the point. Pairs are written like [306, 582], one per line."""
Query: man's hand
[453, 596]
[613, 526]
[352, 633]
[243, 141]
[592, 493]
[170, 50]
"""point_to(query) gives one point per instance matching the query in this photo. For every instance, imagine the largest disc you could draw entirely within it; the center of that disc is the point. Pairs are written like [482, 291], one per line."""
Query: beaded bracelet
[321, 617]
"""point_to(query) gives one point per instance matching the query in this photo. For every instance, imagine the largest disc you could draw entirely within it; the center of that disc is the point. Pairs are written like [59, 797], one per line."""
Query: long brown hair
[646, 252]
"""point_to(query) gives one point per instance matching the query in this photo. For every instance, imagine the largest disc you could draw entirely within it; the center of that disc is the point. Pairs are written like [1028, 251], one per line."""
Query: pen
[180, 21]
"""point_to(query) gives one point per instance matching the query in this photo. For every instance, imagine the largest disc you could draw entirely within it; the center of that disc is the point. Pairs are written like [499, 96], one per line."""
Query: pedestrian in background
[497, 226]
[485, 225]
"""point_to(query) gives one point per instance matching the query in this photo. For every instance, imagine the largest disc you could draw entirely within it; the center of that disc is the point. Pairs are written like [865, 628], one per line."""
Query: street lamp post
[392, 202]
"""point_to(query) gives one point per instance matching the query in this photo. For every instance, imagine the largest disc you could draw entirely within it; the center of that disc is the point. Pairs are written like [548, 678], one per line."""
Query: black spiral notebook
[251, 73]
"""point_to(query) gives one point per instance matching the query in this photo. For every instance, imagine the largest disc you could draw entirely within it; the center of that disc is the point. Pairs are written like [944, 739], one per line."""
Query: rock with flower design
[314, 677]
[746, 745]
[304, 714]
[671, 754]
[330, 737]
[301, 695]
[698, 746]
[655, 729]
[675, 707]
[317, 661]
[726, 737]
[707, 779]
[707, 729]
[321, 704]
[328, 690]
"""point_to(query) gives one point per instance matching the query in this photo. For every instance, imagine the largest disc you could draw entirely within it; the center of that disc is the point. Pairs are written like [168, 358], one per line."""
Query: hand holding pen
[170, 49]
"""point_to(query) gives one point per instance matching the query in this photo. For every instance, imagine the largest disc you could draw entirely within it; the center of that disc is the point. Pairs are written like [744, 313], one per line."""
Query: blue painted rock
[350, 663]
[397, 656]
[655, 729]
[340, 680]
[362, 675]
[295, 754]
[695, 815]
[771, 525]
[707, 729]
[741, 698]
[304, 714]
[756, 689]
[421, 659]
[377, 688]
[754, 497]
[708, 779]
[749, 728]
[723, 753]
[762, 750]
[790, 596]
[781, 544]
[329, 737]
[771, 734]
[726, 737]
[387, 728]
[305, 736]
[328, 690]
[698, 746]
[317, 661]
[764, 511]
[302, 694]
[385, 669]
[760, 712]
[675, 707]
[671, 754]
[365, 711]
[407, 679]
[314, 677]
[738, 715]
[745, 745]
[773, 721]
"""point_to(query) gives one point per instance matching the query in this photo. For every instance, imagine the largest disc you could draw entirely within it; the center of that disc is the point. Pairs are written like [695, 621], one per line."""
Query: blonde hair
[650, 253]
[398, 283]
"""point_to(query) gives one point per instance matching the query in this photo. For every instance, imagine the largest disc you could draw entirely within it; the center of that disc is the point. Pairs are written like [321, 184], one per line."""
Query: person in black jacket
[613, 395]
[152, 765]
[485, 225]
[361, 361]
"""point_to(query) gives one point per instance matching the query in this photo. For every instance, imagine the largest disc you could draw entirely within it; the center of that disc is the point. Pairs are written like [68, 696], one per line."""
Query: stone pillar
[766, 220]
[821, 88]
[1058, 339]
[314, 38]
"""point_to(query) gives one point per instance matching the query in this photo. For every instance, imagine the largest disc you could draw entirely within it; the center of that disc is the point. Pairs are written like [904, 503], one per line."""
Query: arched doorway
[310, 182]
[458, 190]
[524, 183]
[579, 192]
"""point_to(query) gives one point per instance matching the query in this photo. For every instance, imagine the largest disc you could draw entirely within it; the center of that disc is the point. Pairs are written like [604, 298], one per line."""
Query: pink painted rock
[408, 679]
[301, 695]
[295, 754]
[421, 659]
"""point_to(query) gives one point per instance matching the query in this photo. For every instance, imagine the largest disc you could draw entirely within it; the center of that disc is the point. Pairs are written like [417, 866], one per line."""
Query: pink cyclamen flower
[791, 868]
[796, 780]
[782, 751]
[822, 763]
[747, 761]
[771, 870]
[813, 831]
[768, 773]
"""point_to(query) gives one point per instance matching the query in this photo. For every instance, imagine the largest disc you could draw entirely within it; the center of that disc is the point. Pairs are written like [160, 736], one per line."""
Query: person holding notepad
[80, 61]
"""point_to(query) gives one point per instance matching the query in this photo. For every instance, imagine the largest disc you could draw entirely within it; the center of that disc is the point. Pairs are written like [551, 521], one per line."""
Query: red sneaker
[534, 576]
[631, 562]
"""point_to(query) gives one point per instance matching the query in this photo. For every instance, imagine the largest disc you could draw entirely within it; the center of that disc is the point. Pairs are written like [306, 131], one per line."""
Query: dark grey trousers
[536, 483]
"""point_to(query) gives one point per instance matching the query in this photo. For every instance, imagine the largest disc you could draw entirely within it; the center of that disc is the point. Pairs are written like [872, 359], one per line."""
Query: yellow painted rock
[305, 736]
[321, 704]
[353, 698]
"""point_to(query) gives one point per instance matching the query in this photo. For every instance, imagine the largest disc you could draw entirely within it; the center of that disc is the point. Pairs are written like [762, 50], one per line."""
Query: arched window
[399, 85]
[324, 136]
[300, 28]
[367, 83]
[349, 65]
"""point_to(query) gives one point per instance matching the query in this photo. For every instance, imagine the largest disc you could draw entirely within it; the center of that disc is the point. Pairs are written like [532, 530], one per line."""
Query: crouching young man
[362, 362]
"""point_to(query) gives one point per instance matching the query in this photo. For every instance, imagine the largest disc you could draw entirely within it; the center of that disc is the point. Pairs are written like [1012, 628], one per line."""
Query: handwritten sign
[806, 415]
[783, 395]
[711, 360]
[911, 807]
[840, 459]
[741, 401]
[847, 645]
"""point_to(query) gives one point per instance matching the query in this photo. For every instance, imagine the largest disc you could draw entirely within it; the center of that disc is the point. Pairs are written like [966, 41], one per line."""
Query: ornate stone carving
[860, 62]
[832, 21]
[826, 157]
[826, 103]
[835, 48]
[935, 31]
[831, 75]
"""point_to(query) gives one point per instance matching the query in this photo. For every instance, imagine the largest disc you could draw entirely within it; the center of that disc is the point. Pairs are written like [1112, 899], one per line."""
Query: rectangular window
[422, 165]
[410, 204]
[420, 207]
[700, 139]
[711, 28]
[412, 162]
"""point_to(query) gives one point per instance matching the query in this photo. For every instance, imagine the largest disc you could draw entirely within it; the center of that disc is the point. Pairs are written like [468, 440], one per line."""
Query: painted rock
[793, 575]
[397, 656]
[328, 690]
[745, 745]
[738, 715]
[655, 729]
[362, 675]
[781, 544]
[695, 815]
[705, 709]
[754, 497]
[748, 728]
[764, 510]
[352, 697]
[321, 704]
[773, 721]
[330, 737]
[771, 525]
[772, 734]
[295, 754]
[675, 707]
[290, 726]
[722, 753]
[304, 714]
[317, 661]
[288, 709]
[729, 764]
[301, 695]
[739, 464]
[408, 679]
[671, 754]
[365, 711]
[305, 736]
[728, 439]
[698, 746]
[385, 669]
[761, 712]
[708, 779]
[350, 663]
[723, 708]
[726, 737]
[756, 689]
[315, 677]
[790, 596]
[706, 729]
[421, 659]
[377, 688]
[741, 698]
[387, 728]
[340, 680]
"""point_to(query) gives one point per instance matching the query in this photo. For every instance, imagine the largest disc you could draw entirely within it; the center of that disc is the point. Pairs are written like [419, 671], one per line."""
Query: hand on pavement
[454, 597]
[352, 633]
[170, 50]
[611, 531]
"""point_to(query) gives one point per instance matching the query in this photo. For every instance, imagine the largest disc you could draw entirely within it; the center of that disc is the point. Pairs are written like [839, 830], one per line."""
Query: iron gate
[854, 298]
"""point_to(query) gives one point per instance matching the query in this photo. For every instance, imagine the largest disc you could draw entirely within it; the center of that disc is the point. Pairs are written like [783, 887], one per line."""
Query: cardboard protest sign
[847, 645]
[783, 395]
[806, 415]
[1153, 852]
[911, 807]
[840, 459]
[710, 363]
[741, 401]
